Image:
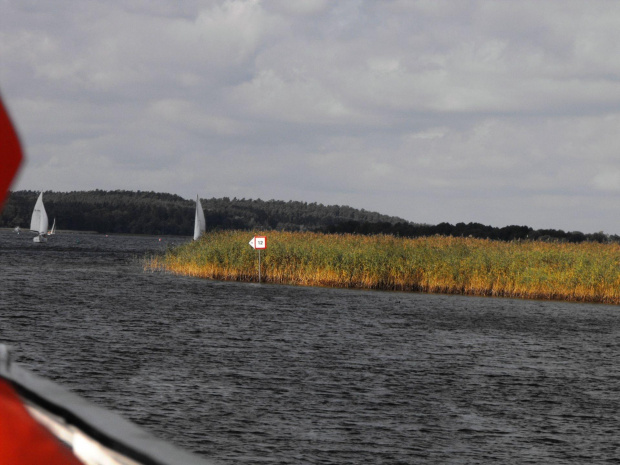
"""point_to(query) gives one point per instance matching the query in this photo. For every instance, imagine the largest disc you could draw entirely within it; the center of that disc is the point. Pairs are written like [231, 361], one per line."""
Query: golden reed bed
[586, 272]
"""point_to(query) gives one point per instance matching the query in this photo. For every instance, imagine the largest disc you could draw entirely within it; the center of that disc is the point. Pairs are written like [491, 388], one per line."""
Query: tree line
[160, 213]
[156, 213]
[477, 230]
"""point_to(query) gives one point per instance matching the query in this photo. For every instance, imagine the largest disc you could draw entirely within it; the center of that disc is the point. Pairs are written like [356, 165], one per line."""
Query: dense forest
[160, 213]
[477, 230]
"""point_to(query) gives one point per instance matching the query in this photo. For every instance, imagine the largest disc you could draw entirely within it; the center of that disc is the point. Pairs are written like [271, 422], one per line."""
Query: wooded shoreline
[585, 272]
[126, 212]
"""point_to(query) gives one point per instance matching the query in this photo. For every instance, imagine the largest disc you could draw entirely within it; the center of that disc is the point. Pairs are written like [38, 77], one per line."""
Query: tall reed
[586, 272]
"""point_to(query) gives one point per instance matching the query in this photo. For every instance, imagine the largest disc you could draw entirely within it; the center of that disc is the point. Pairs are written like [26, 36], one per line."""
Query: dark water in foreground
[246, 373]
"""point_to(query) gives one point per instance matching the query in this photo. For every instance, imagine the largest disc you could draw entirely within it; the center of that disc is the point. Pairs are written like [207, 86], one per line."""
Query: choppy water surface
[247, 373]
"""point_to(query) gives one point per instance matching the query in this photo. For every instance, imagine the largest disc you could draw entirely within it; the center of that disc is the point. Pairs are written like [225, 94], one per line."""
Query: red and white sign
[10, 153]
[259, 242]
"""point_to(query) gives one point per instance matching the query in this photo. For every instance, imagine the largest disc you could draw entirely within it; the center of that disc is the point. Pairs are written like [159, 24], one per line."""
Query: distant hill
[160, 213]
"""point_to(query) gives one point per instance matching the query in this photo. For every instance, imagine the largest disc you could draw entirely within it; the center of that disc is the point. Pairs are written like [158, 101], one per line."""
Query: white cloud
[298, 7]
[608, 180]
[190, 118]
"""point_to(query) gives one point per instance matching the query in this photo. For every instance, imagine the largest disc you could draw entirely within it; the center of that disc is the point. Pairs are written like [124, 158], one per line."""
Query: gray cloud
[496, 112]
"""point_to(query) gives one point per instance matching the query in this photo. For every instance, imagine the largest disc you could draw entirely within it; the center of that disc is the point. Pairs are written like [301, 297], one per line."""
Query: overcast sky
[498, 112]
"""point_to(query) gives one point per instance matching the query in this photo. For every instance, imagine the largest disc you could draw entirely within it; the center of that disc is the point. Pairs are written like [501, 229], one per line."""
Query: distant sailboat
[39, 221]
[17, 229]
[200, 224]
[53, 230]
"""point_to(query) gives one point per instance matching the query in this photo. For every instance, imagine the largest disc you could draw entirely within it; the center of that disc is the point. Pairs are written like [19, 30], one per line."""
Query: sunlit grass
[586, 272]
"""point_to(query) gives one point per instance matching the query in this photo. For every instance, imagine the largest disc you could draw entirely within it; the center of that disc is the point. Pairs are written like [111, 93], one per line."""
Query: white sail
[39, 221]
[53, 230]
[200, 224]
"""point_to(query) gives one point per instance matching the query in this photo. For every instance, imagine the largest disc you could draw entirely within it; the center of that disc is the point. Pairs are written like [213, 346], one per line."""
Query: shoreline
[583, 273]
[76, 232]
[490, 294]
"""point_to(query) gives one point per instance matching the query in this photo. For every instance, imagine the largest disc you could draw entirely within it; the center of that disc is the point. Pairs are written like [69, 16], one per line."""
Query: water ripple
[278, 374]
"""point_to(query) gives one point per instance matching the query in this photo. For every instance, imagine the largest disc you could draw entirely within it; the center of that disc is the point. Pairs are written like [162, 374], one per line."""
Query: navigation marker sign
[259, 242]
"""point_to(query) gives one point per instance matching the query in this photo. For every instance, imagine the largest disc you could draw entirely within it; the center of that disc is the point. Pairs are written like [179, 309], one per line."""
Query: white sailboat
[53, 230]
[200, 224]
[39, 221]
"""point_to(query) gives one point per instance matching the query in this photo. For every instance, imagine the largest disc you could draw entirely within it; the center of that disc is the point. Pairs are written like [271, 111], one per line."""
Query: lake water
[249, 373]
